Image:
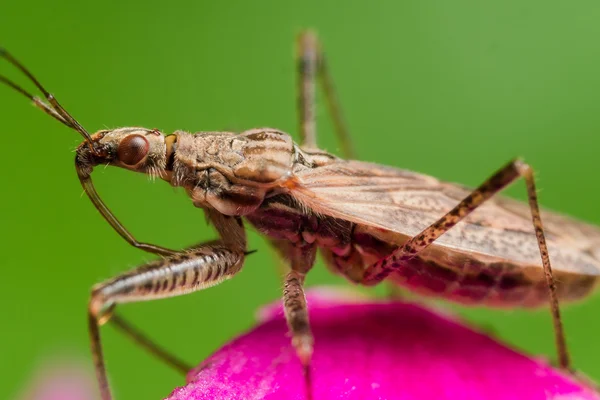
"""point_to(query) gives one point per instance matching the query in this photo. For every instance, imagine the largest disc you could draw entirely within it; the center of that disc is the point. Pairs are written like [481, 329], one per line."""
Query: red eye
[133, 149]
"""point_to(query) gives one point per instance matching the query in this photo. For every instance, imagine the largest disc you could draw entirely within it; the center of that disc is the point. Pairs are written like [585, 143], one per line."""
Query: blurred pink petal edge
[62, 380]
[366, 349]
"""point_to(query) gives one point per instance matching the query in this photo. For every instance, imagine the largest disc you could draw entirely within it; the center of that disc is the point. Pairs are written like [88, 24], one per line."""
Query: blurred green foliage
[452, 89]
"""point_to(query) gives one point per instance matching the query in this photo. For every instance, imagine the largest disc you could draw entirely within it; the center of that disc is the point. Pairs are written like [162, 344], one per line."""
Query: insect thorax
[233, 173]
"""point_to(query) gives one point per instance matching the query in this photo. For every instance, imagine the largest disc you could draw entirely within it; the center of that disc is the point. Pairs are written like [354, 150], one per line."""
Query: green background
[452, 89]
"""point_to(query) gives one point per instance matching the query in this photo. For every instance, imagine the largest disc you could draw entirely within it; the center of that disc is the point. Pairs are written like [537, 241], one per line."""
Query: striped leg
[294, 301]
[189, 271]
[301, 260]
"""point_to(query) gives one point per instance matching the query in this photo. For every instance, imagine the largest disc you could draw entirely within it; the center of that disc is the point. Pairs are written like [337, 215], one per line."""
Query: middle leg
[301, 259]
[312, 67]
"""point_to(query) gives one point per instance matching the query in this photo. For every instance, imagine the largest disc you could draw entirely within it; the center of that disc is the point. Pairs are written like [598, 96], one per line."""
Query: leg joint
[522, 168]
[100, 306]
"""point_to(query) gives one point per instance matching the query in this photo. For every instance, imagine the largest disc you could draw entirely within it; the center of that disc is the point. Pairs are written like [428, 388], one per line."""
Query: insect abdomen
[495, 285]
[463, 278]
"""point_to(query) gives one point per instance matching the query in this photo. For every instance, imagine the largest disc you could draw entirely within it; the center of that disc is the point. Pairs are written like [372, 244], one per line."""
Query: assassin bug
[370, 222]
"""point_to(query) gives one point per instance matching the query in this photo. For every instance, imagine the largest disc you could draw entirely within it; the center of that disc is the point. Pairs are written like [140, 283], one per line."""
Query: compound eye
[133, 149]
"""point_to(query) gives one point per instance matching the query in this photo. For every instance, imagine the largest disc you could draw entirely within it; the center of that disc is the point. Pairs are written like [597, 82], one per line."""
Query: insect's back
[490, 258]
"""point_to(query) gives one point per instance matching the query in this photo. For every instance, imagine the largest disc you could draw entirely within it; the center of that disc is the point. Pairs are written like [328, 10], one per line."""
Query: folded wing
[406, 203]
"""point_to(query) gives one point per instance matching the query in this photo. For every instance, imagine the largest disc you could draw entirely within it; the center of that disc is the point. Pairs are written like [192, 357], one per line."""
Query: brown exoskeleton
[370, 222]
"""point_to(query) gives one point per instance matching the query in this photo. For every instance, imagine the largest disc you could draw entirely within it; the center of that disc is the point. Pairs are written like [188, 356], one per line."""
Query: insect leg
[196, 269]
[229, 228]
[312, 65]
[301, 259]
[200, 266]
[90, 190]
[296, 314]
[307, 68]
[500, 180]
[294, 303]
[149, 345]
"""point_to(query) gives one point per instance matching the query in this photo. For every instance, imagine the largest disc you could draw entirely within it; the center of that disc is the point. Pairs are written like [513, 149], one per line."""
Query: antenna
[55, 110]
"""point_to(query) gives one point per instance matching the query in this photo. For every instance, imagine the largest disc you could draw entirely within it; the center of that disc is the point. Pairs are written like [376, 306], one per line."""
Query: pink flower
[375, 350]
[363, 350]
[61, 380]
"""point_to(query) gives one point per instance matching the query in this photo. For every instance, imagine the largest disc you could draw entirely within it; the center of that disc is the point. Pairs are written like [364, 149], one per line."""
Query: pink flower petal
[374, 350]
[62, 381]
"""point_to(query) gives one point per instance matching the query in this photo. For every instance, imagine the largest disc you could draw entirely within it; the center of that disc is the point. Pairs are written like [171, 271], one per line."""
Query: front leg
[195, 269]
